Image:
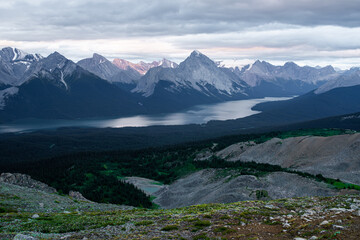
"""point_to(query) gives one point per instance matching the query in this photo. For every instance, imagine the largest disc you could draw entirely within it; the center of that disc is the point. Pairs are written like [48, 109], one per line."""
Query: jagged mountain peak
[56, 54]
[329, 68]
[99, 58]
[143, 67]
[165, 63]
[96, 55]
[55, 58]
[195, 59]
[290, 64]
[261, 68]
[196, 53]
[102, 67]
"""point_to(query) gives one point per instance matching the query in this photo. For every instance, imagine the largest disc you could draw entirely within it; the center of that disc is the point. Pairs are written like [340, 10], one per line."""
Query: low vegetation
[323, 217]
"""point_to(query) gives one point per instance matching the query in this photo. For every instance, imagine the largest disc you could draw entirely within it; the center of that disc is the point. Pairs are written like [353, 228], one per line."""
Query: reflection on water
[198, 114]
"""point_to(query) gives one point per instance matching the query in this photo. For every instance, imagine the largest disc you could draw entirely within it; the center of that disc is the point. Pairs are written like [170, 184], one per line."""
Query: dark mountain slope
[311, 106]
[87, 96]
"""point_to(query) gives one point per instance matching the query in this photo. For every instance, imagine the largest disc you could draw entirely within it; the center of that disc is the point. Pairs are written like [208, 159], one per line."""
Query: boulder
[24, 237]
[78, 196]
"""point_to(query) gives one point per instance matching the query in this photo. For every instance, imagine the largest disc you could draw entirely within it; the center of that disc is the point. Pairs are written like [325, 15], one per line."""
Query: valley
[179, 120]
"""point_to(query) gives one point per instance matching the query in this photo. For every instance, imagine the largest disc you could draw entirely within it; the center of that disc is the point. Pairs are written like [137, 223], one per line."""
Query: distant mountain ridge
[266, 79]
[347, 79]
[103, 68]
[197, 72]
[59, 88]
[56, 87]
[143, 67]
[289, 70]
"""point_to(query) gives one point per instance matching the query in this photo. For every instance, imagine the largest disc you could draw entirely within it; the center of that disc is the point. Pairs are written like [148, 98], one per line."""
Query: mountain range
[143, 67]
[55, 87]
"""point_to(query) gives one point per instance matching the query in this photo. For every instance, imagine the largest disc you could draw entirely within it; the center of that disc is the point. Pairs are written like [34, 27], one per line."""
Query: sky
[237, 32]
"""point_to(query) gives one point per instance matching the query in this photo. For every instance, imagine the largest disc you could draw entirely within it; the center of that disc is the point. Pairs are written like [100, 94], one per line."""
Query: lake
[196, 115]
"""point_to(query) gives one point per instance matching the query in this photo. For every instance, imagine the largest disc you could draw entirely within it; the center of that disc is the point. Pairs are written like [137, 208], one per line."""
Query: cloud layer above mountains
[309, 32]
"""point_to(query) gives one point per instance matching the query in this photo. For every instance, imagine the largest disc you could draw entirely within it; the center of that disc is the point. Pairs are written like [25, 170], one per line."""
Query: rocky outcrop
[333, 157]
[25, 181]
[78, 196]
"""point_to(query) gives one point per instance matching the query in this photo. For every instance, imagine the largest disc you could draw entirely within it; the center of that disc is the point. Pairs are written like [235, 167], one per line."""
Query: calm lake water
[197, 115]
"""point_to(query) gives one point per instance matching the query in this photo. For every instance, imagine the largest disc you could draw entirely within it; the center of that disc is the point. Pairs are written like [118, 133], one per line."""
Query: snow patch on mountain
[62, 79]
[15, 55]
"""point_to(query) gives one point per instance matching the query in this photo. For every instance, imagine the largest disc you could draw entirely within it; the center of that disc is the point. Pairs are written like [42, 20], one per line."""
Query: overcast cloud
[313, 32]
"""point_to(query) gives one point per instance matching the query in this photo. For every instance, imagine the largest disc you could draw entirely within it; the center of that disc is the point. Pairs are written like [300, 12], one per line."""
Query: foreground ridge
[305, 218]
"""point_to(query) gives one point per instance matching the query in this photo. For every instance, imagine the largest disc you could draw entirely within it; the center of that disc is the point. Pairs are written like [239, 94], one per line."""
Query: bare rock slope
[223, 186]
[333, 157]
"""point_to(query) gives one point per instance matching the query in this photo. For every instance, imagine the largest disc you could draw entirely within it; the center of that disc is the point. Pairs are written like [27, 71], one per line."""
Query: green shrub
[144, 223]
[170, 228]
[202, 223]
